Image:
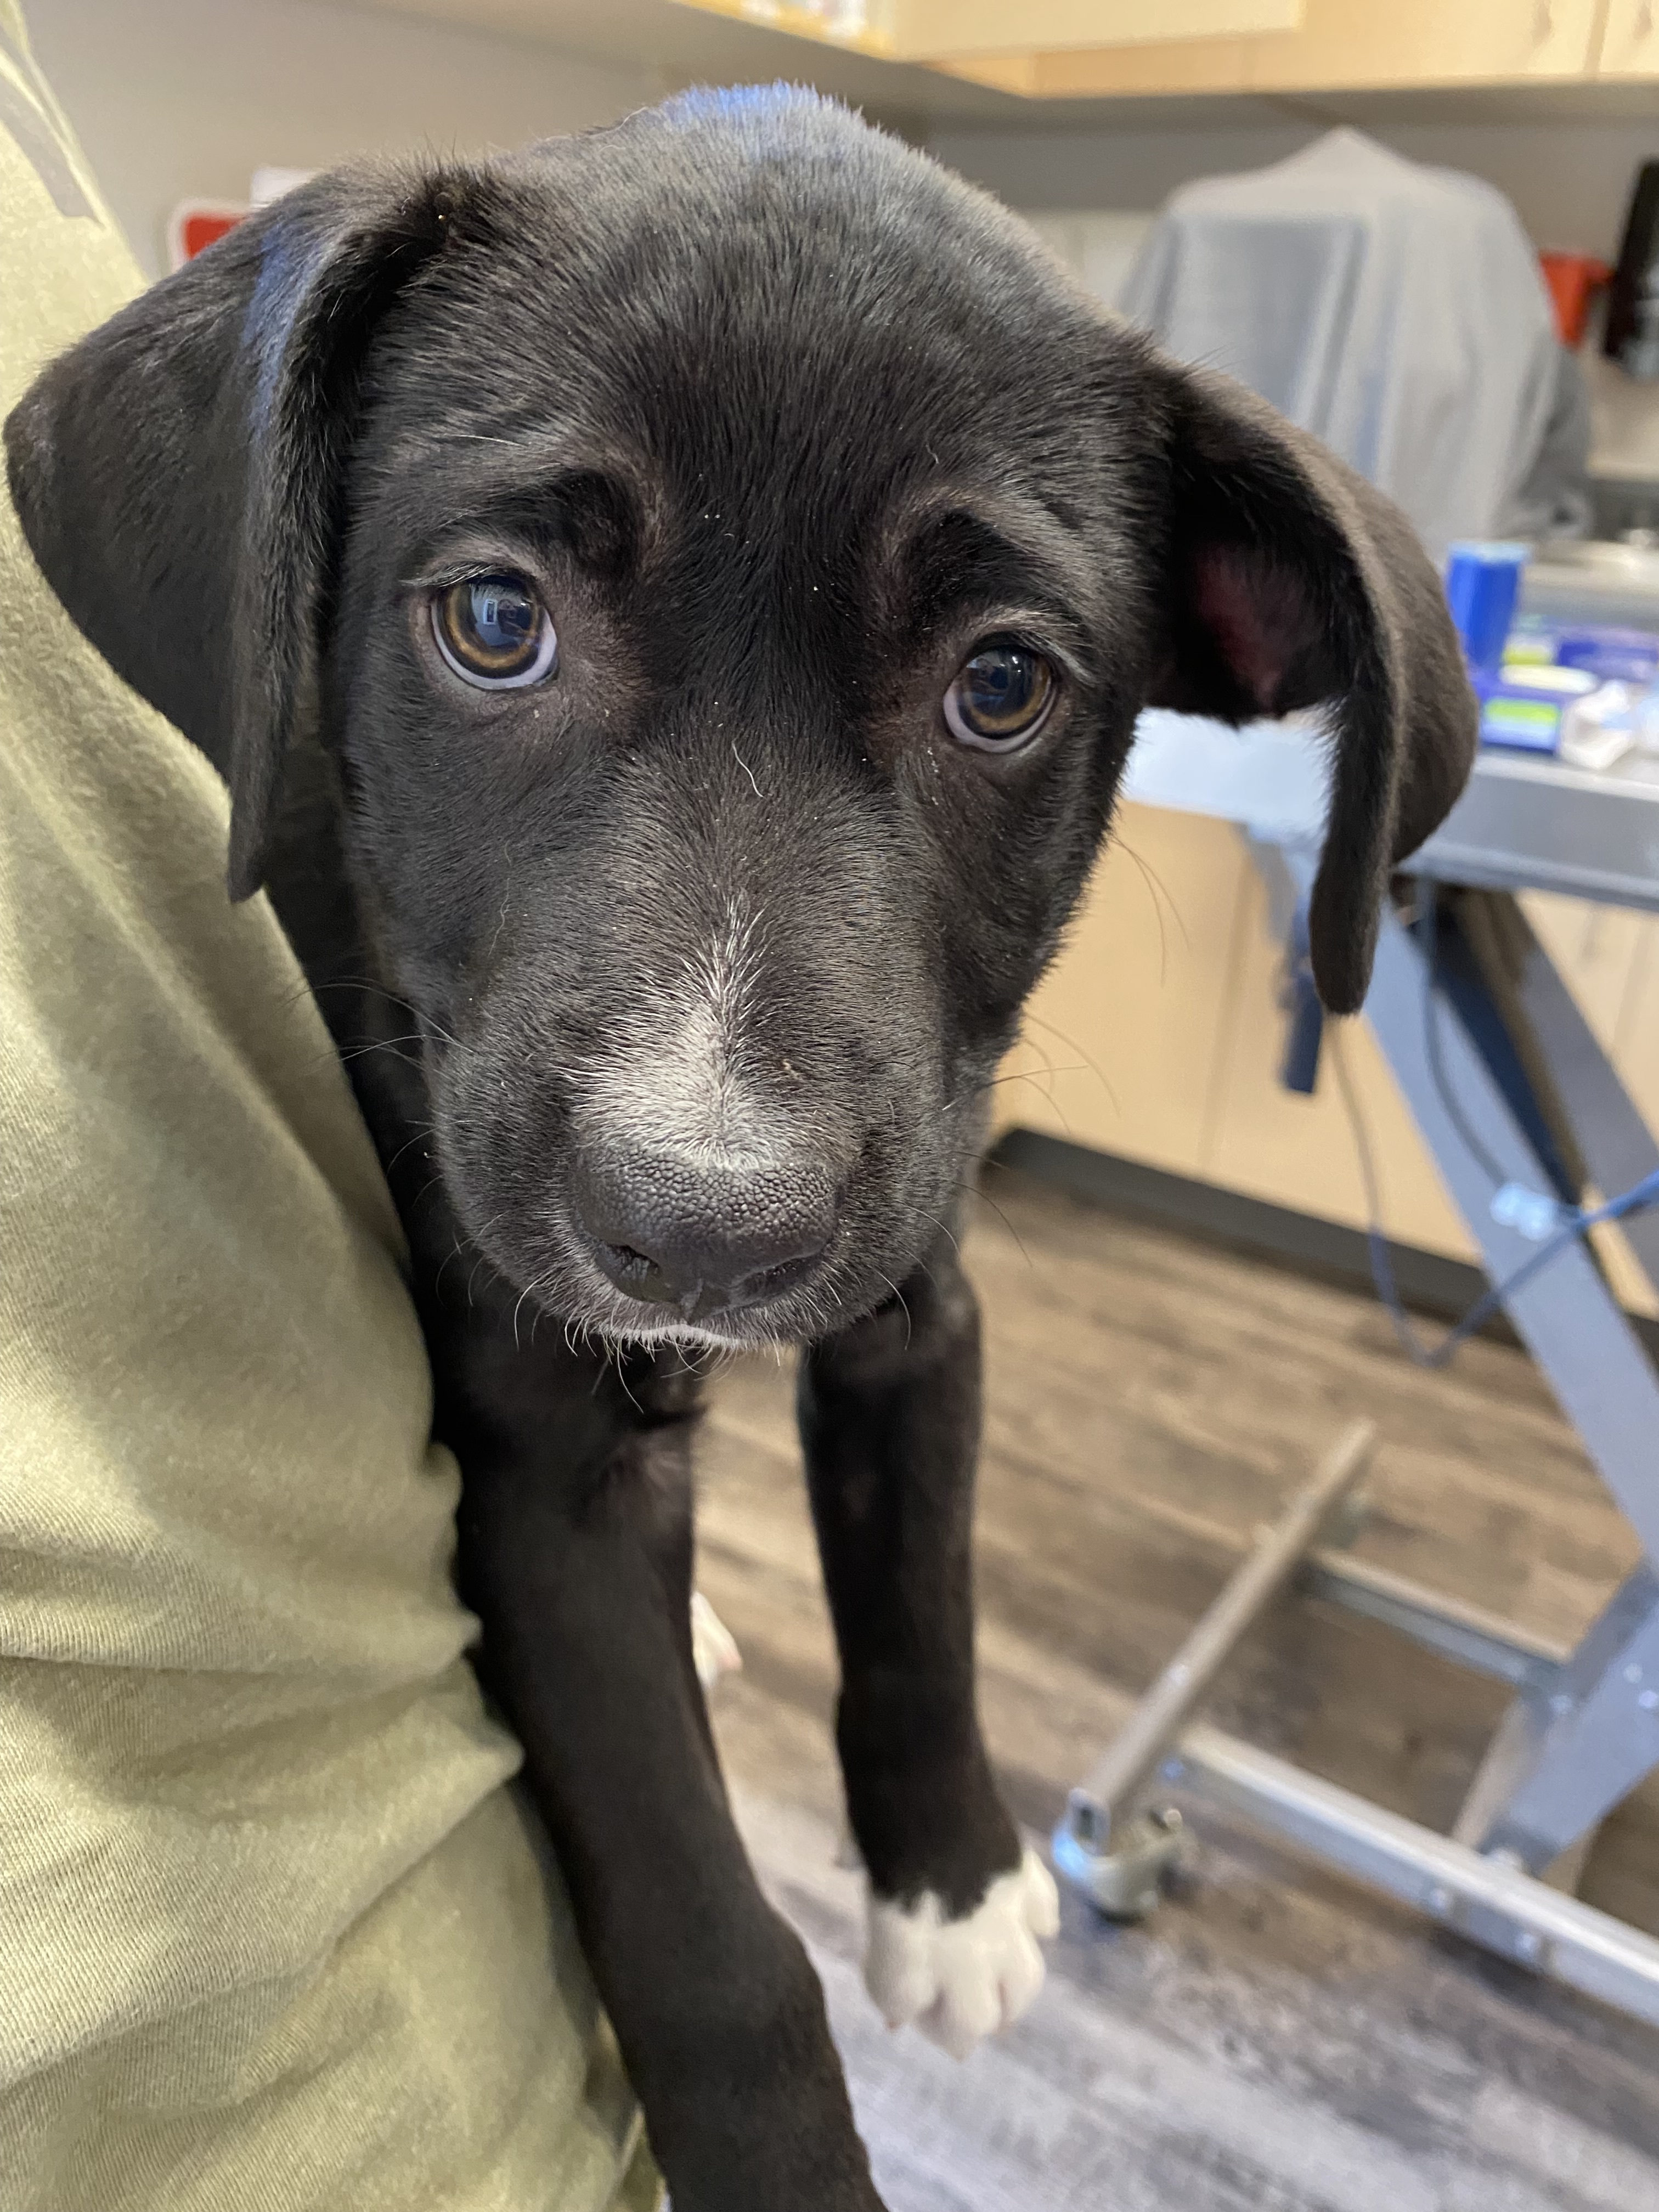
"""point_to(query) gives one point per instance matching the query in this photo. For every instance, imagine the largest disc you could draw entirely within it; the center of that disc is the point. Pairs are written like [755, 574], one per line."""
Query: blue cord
[1574, 1225]
[1576, 1221]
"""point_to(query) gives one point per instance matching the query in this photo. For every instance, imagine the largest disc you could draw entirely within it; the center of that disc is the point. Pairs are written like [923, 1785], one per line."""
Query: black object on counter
[1632, 332]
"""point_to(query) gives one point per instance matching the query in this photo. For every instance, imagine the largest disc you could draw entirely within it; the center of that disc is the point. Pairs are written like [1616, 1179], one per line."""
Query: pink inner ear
[1257, 614]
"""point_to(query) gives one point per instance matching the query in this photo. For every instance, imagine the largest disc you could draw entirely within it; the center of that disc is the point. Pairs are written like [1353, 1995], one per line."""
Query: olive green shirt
[274, 1931]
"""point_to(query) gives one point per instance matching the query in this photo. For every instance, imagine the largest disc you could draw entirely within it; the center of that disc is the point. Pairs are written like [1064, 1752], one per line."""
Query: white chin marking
[620, 1326]
[962, 1980]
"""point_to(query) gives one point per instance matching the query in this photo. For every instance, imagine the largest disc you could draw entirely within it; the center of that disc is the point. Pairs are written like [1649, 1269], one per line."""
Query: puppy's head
[725, 559]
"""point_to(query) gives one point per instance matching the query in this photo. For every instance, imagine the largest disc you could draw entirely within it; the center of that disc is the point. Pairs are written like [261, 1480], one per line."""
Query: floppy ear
[1293, 583]
[178, 473]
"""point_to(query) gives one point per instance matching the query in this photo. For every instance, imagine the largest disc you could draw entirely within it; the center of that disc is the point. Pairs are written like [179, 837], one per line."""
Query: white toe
[713, 1647]
[962, 1980]
[1041, 1898]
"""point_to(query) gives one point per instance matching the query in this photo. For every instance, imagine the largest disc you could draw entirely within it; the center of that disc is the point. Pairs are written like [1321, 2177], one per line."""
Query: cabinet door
[1630, 44]
[1635, 1035]
[1195, 66]
[1340, 46]
[1636, 1055]
[1593, 948]
[1427, 42]
[1302, 1152]
[1123, 1038]
[923, 30]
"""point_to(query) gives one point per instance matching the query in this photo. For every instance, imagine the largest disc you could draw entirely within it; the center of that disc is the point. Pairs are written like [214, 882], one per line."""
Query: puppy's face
[725, 559]
[730, 706]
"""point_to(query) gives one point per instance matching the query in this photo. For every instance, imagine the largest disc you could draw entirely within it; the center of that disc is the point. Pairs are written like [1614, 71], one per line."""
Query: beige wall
[1570, 181]
[184, 99]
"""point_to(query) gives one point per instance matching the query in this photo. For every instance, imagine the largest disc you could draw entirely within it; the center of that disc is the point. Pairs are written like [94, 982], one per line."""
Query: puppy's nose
[702, 1239]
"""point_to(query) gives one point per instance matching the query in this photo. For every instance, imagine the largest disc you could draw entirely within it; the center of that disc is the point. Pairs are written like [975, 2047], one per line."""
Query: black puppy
[671, 608]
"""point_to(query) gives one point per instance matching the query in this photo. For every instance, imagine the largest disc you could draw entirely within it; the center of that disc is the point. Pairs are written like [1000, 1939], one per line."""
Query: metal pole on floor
[1122, 1872]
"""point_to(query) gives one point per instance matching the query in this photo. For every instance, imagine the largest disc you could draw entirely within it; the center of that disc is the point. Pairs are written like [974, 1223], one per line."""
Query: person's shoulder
[64, 266]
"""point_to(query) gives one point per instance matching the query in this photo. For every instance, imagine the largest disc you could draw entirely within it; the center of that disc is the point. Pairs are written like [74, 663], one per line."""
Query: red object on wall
[1572, 278]
[195, 224]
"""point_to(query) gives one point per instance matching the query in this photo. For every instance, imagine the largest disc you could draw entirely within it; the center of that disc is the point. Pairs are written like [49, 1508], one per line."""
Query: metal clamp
[1126, 1881]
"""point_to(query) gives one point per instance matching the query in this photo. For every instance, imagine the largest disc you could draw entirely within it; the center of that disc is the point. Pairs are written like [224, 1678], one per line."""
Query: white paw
[713, 1647]
[962, 1980]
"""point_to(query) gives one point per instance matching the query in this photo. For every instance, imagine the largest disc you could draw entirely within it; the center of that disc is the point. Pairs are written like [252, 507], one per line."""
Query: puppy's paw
[713, 1647]
[962, 1980]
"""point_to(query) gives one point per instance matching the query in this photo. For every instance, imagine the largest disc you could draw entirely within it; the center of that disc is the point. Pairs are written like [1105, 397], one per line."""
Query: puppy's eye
[1001, 695]
[495, 632]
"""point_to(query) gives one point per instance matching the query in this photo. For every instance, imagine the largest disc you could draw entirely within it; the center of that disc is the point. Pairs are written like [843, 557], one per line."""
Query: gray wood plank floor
[1275, 2040]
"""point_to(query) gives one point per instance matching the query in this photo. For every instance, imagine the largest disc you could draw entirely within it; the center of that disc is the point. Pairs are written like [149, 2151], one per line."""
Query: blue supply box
[1528, 674]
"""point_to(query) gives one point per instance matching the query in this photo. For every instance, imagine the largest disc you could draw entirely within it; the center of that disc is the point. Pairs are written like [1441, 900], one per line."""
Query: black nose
[672, 1233]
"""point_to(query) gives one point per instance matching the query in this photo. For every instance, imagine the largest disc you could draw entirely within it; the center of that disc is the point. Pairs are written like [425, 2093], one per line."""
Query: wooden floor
[1275, 2040]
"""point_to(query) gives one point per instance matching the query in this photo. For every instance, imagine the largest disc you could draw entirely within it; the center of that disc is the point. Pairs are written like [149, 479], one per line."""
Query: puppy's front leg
[581, 1575]
[890, 1413]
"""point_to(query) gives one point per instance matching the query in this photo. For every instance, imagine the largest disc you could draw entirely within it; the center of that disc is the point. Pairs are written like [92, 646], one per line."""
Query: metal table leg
[1617, 1145]
[1566, 1316]
[1561, 1761]
[1585, 1727]
[1485, 1898]
[1554, 1768]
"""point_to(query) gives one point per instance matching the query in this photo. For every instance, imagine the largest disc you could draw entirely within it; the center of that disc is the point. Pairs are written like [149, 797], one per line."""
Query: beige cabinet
[1609, 958]
[1121, 1045]
[1339, 45]
[1195, 65]
[924, 30]
[1428, 42]
[1630, 41]
[1302, 1152]
[1157, 1035]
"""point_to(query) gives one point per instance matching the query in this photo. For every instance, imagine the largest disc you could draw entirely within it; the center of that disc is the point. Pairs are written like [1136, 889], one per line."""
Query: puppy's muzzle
[703, 1238]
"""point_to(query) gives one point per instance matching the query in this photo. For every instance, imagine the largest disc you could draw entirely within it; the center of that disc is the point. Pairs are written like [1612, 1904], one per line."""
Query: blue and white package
[1523, 707]
[1615, 656]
